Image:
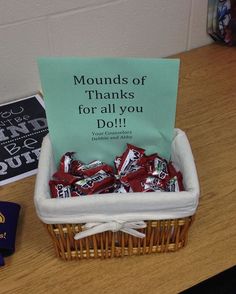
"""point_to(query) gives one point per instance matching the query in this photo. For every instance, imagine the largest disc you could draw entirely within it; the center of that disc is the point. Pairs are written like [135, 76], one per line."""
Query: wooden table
[206, 110]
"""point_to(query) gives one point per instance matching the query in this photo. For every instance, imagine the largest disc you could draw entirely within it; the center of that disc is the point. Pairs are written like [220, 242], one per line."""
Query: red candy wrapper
[92, 168]
[117, 162]
[75, 167]
[135, 172]
[96, 183]
[180, 181]
[59, 189]
[65, 177]
[148, 161]
[65, 162]
[120, 188]
[156, 166]
[160, 168]
[175, 183]
[155, 184]
[130, 158]
[148, 184]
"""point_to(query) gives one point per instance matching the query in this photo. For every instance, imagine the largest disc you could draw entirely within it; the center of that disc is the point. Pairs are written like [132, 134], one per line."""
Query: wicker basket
[161, 236]
[167, 215]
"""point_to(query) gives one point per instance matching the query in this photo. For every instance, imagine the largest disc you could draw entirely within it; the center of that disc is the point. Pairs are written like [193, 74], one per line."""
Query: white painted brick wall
[32, 28]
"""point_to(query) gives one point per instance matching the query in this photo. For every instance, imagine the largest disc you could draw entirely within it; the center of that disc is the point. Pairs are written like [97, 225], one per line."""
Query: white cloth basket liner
[117, 206]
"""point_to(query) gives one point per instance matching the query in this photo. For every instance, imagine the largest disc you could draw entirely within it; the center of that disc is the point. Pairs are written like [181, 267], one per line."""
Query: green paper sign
[95, 106]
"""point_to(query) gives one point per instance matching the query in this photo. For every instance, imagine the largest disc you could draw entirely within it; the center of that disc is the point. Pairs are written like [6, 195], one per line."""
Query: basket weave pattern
[161, 236]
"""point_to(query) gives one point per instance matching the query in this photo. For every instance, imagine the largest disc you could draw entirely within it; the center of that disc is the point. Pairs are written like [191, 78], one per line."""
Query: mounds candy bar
[180, 181]
[92, 168]
[148, 161]
[117, 187]
[75, 191]
[96, 183]
[120, 188]
[65, 162]
[129, 158]
[156, 166]
[135, 172]
[117, 162]
[136, 185]
[59, 189]
[66, 178]
[154, 183]
[75, 167]
[175, 183]
[148, 184]
[160, 168]
[172, 171]
[106, 191]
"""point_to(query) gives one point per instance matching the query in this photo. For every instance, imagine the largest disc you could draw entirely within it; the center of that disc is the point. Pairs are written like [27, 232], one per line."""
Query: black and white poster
[23, 125]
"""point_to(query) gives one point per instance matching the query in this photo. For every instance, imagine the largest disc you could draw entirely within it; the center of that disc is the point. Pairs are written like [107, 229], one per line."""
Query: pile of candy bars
[133, 172]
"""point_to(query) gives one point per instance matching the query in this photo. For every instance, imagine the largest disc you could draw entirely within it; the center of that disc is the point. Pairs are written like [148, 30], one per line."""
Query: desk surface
[206, 110]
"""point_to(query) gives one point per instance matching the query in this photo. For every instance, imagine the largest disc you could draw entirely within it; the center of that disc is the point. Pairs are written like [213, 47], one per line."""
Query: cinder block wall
[137, 28]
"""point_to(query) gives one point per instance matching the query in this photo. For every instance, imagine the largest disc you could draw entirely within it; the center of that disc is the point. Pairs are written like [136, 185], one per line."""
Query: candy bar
[173, 185]
[148, 161]
[92, 168]
[154, 183]
[59, 189]
[75, 167]
[76, 192]
[176, 179]
[65, 162]
[65, 177]
[117, 162]
[135, 172]
[129, 158]
[160, 168]
[156, 166]
[97, 182]
[120, 188]
[148, 184]
[180, 181]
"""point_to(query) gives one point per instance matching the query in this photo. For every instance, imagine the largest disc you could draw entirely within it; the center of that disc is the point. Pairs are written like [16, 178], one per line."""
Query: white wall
[140, 28]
